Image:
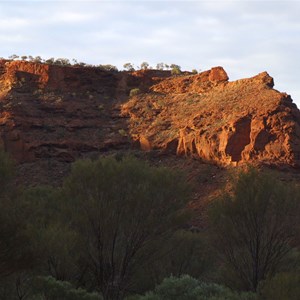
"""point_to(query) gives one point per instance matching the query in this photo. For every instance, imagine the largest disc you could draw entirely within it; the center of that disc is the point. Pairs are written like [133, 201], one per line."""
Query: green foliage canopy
[120, 208]
[254, 226]
[15, 254]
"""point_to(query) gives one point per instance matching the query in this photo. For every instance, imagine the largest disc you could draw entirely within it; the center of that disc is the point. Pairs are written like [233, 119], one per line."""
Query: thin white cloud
[71, 17]
[8, 23]
[246, 37]
[14, 39]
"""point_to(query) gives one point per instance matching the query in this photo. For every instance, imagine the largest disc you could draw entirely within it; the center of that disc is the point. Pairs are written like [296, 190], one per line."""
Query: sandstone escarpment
[208, 117]
[62, 113]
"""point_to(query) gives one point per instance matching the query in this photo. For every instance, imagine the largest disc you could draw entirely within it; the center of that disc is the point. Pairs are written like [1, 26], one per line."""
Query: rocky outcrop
[208, 117]
[192, 84]
[64, 112]
[50, 111]
[61, 113]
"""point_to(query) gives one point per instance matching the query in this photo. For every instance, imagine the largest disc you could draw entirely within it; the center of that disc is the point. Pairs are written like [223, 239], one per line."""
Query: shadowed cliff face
[49, 111]
[61, 113]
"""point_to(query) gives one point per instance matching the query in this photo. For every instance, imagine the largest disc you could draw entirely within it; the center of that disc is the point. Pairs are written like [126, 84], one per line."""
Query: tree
[17, 286]
[144, 66]
[120, 208]
[185, 253]
[15, 253]
[174, 66]
[37, 59]
[13, 57]
[175, 69]
[82, 64]
[128, 67]
[50, 61]
[62, 62]
[160, 66]
[254, 226]
[42, 207]
[110, 68]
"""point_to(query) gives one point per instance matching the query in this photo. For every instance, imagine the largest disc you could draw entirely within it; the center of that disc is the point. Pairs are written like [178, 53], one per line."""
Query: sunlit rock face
[64, 112]
[208, 117]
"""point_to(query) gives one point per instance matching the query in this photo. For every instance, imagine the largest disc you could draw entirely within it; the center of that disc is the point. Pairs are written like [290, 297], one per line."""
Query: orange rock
[60, 112]
[145, 144]
[217, 74]
[225, 122]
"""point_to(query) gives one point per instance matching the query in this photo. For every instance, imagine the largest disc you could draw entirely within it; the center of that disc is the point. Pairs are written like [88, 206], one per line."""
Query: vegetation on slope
[175, 69]
[117, 227]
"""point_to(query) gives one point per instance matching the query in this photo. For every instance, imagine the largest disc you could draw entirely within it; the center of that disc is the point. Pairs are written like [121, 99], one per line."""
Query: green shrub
[283, 286]
[53, 289]
[188, 288]
[182, 288]
[175, 71]
[129, 67]
[134, 92]
[122, 132]
[144, 65]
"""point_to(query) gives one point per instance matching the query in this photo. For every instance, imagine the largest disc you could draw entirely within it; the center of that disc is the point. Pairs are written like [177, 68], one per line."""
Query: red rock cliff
[208, 117]
[49, 111]
[52, 111]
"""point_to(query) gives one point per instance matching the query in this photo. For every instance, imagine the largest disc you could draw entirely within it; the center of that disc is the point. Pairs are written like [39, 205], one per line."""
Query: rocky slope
[60, 113]
[207, 116]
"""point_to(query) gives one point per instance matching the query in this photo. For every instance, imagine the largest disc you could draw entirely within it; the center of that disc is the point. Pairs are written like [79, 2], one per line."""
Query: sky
[244, 37]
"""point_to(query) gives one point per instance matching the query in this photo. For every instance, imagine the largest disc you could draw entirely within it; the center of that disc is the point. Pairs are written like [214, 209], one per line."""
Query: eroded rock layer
[225, 122]
[50, 111]
[58, 112]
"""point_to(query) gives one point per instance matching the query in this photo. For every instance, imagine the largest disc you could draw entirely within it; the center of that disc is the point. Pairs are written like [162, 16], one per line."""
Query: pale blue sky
[245, 37]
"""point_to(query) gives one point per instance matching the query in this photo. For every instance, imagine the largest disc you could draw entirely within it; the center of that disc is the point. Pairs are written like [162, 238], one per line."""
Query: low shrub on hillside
[52, 289]
[188, 288]
[134, 92]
